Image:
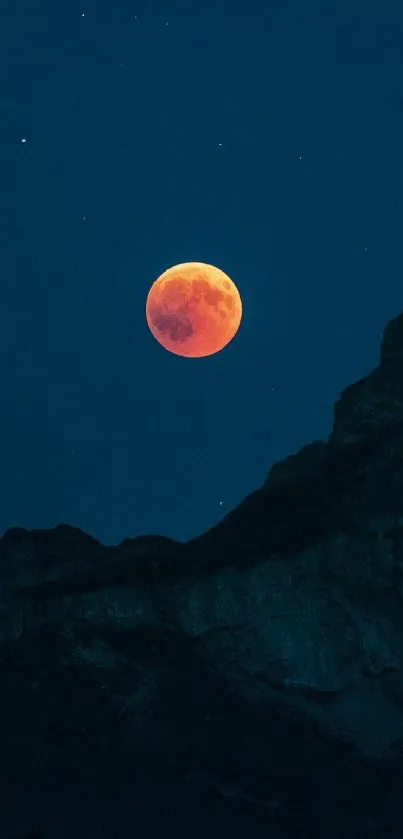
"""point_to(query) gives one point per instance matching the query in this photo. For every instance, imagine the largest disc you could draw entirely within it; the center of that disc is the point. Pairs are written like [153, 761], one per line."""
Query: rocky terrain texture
[248, 683]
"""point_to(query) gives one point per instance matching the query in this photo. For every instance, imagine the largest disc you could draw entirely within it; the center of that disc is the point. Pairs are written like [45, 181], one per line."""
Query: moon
[193, 309]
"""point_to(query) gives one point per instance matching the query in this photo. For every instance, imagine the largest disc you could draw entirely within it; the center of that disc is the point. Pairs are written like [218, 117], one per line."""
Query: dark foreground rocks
[248, 683]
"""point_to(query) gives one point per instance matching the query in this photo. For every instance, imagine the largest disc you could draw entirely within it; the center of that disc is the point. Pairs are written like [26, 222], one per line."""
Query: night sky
[263, 137]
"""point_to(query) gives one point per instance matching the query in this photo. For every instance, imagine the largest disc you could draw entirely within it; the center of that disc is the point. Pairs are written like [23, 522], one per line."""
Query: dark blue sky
[266, 138]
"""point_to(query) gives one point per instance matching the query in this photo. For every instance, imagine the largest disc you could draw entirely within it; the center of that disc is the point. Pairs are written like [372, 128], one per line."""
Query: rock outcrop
[246, 683]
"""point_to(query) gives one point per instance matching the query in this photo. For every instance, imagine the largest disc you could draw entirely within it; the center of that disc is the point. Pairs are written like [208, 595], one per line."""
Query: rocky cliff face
[247, 683]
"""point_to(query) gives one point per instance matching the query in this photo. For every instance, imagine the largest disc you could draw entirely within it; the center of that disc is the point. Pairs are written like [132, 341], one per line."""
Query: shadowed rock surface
[248, 683]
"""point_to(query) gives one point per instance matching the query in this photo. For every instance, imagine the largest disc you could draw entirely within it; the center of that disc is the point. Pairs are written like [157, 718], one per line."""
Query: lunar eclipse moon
[193, 309]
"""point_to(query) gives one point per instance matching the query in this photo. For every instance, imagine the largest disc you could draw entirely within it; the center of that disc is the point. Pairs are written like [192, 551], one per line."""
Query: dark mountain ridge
[247, 682]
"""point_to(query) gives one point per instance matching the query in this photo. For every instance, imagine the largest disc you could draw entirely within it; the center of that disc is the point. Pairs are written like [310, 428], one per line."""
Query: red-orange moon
[193, 309]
